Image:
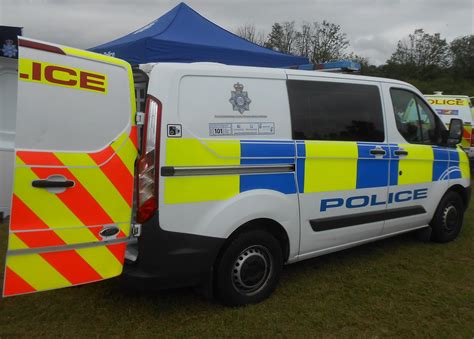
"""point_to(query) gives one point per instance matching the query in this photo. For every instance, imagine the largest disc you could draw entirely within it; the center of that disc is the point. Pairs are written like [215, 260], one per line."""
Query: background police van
[455, 106]
[240, 170]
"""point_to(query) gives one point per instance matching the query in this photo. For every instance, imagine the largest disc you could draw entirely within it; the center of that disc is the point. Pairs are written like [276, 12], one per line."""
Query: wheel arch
[265, 224]
[464, 192]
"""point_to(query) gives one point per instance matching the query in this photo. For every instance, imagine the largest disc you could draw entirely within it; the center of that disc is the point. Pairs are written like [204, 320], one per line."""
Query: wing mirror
[455, 132]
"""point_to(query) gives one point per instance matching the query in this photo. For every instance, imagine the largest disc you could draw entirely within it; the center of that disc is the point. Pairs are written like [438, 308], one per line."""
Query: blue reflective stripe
[269, 161]
[256, 141]
[393, 172]
[281, 182]
[440, 164]
[454, 170]
[372, 171]
[267, 150]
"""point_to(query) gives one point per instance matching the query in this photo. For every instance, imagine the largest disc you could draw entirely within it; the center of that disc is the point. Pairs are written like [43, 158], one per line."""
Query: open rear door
[75, 152]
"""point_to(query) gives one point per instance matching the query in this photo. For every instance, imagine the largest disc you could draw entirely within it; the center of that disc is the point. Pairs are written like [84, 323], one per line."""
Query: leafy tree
[319, 42]
[363, 61]
[328, 42]
[421, 50]
[282, 37]
[462, 50]
[275, 37]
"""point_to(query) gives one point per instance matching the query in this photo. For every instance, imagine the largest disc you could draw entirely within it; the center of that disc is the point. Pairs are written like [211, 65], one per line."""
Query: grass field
[397, 287]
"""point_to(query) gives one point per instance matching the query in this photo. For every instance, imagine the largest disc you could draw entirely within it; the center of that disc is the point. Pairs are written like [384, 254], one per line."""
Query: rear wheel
[447, 221]
[249, 268]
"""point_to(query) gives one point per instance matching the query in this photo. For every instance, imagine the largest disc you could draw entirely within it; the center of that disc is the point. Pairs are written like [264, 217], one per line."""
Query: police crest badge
[239, 99]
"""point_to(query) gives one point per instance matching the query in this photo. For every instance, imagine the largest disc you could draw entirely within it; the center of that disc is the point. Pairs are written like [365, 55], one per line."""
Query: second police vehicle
[459, 107]
[230, 173]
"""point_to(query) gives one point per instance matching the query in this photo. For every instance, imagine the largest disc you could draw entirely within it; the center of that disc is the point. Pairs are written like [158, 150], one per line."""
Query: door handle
[46, 183]
[400, 152]
[377, 151]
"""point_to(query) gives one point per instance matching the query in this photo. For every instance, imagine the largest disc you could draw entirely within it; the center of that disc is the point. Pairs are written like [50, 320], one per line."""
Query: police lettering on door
[360, 201]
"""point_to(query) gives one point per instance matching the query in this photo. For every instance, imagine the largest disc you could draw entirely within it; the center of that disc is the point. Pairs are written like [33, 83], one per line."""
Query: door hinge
[136, 230]
[140, 118]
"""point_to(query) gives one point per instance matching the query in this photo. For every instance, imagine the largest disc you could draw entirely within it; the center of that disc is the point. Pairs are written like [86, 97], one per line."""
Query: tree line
[426, 60]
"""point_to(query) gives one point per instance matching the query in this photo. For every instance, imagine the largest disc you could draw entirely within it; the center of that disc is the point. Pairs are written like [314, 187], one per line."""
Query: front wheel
[249, 268]
[448, 218]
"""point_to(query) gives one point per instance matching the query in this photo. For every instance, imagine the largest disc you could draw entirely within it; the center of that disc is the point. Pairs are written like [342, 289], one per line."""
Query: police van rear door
[75, 152]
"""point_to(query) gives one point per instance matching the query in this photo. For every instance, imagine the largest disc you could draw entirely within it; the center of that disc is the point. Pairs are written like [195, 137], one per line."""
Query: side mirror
[455, 132]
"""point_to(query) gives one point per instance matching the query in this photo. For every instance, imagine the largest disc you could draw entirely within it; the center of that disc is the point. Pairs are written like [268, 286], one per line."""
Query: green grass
[396, 287]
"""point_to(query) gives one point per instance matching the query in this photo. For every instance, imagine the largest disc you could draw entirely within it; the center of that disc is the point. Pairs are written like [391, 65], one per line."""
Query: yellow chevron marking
[98, 185]
[37, 272]
[127, 153]
[76, 236]
[101, 260]
[15, 243]
[47, 206]
[125, 228]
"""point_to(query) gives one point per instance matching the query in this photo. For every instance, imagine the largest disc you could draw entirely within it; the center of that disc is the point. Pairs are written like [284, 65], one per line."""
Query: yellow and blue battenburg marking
[321, 166]
[206, 153]
[350, 165]
[267, 153]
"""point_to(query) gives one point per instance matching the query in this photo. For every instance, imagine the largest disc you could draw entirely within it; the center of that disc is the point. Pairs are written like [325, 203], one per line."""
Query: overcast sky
[372, 26]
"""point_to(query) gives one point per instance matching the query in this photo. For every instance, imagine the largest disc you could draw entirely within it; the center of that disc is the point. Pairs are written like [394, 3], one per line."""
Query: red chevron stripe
[118, 250]
[77, 199]
[14, 284]
[38, 239]
[102, 156]
[23, 218]
[68, 263]
[45, 159]
[120, 177]
[134, 136]
[72, 266]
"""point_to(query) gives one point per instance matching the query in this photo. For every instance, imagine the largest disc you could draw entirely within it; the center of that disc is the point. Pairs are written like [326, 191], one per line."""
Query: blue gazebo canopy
[183, 35]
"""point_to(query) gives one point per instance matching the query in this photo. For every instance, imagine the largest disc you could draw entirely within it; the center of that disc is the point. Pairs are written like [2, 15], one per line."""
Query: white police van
[455, 106]
[240, 170]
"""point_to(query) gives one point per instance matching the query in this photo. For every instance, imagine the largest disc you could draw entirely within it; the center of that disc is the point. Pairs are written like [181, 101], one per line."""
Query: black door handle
[377, 151]
[400, 152]
[45, 183]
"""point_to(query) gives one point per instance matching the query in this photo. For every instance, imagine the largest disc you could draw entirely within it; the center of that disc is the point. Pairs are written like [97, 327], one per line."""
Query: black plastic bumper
[171, 259]
[468, 192]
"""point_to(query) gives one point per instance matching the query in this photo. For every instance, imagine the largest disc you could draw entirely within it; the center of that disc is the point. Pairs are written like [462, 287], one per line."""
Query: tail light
[148, 163]
[472, 138]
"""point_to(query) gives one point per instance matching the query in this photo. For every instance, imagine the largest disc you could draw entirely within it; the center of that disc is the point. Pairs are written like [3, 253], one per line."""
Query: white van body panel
[8, 97]
[196, 95]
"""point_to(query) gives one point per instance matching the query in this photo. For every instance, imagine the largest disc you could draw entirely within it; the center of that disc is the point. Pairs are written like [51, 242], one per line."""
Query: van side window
[335, 111]
[415, 120]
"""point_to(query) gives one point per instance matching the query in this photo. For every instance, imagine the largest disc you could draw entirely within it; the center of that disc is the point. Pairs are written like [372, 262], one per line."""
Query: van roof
[271, 72]
[447, 96]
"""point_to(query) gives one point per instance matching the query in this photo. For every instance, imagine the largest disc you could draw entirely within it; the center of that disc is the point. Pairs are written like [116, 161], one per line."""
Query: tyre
[448, 218]
[249, 269]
